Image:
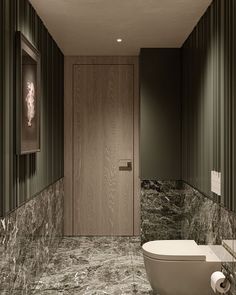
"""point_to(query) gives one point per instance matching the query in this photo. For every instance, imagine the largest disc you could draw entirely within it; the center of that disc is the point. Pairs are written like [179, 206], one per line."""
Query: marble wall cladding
[175, 210]
[28, 237]
[204, 220]
[162, 210]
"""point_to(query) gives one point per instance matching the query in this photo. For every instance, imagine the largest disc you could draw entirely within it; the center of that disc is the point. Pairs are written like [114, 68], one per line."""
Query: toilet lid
[185, 250]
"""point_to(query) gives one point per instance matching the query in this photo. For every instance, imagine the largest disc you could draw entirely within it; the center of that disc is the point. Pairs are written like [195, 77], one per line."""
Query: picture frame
[27, 96]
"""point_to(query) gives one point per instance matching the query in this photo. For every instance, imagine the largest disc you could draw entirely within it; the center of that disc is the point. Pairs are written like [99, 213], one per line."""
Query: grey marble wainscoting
[205, 221]
[175, 210]
[29, 235]
[162, 210]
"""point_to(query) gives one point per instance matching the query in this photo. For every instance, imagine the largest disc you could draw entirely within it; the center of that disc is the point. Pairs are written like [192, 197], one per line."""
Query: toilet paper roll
[217, 278]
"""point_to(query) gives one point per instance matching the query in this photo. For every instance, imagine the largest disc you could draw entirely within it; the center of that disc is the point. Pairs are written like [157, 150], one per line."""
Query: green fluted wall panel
[7, 16]
[25, 176]
[1, 103]
[208, 107]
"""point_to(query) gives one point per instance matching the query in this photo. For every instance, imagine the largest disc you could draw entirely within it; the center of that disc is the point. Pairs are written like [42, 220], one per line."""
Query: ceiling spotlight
[119, 40]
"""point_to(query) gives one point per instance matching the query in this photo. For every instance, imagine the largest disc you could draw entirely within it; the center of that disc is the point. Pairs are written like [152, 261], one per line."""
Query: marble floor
[94, 266]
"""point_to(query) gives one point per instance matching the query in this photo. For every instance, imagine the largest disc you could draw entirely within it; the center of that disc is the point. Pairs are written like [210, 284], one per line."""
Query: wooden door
[102, 148]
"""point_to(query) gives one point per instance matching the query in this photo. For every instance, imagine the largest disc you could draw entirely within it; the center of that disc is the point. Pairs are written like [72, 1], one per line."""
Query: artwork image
[28, 97]
[30, 101]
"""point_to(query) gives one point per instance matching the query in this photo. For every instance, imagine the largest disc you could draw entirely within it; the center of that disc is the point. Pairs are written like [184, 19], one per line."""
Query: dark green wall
[160, 98]
[24, 176]
[209, 108]
[1, 105]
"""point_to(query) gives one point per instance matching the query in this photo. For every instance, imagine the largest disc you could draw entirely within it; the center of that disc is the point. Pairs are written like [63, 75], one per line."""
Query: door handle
[126, 167]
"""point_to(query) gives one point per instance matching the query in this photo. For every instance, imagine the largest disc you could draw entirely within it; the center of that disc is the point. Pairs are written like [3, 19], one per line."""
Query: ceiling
[91, 27]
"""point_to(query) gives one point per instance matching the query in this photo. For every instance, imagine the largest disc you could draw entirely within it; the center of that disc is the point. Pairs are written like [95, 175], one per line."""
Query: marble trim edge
[4, 215]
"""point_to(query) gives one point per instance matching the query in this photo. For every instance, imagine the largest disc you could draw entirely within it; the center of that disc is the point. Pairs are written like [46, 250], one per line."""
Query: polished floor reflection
[96, 265]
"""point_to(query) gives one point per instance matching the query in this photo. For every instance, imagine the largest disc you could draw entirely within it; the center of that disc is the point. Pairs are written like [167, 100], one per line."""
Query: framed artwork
[27, 96]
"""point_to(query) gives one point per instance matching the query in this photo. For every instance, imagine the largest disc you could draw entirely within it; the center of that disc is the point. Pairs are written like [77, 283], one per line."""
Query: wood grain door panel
[103, 138]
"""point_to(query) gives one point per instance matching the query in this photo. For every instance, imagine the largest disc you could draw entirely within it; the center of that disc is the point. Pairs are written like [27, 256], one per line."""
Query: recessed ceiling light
[119, 40]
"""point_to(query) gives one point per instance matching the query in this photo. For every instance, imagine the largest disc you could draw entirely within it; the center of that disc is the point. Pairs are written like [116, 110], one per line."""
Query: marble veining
[174, 210]
[161, 210]
[204, 220]
[96, 265]
[28, 237]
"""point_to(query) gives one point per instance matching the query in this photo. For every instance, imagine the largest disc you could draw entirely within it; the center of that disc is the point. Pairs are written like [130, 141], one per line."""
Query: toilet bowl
[181, 267]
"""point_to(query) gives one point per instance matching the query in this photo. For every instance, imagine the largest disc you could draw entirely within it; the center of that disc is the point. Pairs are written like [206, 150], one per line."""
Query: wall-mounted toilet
[181, 267]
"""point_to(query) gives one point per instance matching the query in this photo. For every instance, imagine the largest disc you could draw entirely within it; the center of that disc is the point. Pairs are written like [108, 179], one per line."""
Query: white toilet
[181, 267]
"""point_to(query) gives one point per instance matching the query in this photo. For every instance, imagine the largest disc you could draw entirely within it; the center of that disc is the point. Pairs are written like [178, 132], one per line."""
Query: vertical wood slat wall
[208, 106]
[24, 176]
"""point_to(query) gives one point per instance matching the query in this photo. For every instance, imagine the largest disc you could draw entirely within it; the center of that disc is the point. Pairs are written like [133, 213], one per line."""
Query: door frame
[69, 63]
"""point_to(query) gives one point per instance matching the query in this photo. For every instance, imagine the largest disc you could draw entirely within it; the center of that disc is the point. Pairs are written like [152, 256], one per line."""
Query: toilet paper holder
[221, 281]
[228, 277]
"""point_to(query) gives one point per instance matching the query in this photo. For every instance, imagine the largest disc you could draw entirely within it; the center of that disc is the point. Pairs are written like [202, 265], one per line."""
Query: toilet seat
[174, 250]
